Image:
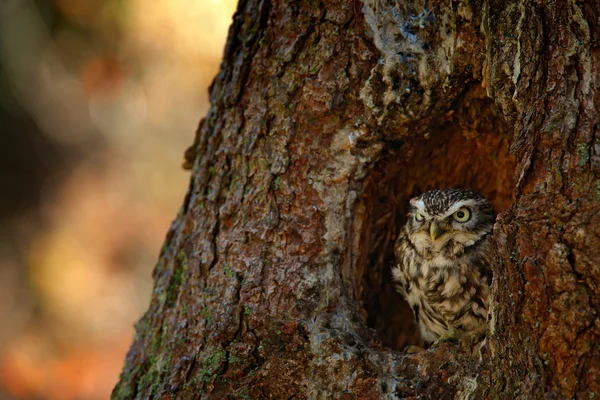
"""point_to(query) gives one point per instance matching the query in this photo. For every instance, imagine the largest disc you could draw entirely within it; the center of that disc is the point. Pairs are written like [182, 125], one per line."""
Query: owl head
[458, 215]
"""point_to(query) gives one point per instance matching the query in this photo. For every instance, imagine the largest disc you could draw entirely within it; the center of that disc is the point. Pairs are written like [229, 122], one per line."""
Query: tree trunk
[327, 116]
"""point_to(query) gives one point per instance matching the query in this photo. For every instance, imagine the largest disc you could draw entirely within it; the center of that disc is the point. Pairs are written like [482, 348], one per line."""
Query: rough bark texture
[326, 117]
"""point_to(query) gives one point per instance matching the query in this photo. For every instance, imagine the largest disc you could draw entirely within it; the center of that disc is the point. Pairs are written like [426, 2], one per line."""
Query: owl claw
[472, 344]
[412, 349]
[450, 335]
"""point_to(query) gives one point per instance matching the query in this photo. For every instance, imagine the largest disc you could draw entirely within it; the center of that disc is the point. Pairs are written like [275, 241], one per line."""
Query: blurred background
[98, 101]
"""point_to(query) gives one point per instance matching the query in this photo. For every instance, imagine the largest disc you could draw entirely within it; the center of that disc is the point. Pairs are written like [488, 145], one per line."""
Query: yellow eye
[462, 215]
[418, 217]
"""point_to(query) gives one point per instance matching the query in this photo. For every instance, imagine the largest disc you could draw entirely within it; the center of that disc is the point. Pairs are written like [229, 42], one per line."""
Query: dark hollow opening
[469, 149]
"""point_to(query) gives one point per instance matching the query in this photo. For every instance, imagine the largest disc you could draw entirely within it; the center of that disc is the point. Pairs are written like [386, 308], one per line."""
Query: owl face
[442, 216]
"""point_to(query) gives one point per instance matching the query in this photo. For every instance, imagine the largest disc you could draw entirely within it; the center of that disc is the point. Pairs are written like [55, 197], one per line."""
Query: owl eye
[418, 217]
[462, 215]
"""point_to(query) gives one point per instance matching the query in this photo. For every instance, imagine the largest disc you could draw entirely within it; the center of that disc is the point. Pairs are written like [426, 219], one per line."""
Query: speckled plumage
[443, 271]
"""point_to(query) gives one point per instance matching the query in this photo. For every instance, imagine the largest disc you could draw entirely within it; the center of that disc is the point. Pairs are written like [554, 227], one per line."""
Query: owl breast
[444, 292]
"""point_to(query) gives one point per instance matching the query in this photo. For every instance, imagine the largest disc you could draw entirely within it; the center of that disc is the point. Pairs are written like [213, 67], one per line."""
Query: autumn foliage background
[98, 101]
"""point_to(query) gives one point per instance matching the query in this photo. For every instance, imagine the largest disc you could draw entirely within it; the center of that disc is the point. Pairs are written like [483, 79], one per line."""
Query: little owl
[443, 263]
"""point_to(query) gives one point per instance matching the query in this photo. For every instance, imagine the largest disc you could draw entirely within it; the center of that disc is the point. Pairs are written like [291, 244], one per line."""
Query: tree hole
[470, 149]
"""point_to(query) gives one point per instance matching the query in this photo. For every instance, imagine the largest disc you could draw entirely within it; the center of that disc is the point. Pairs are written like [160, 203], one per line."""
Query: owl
[442, 264]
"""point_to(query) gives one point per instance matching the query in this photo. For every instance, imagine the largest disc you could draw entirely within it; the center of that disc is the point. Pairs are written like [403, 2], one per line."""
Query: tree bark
[326, 117]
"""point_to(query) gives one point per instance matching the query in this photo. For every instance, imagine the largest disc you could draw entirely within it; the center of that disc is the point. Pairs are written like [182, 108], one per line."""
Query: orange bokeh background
[110, 92]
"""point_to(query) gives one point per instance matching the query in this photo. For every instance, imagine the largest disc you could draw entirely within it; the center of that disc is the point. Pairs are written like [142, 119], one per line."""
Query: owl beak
[435, 231]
